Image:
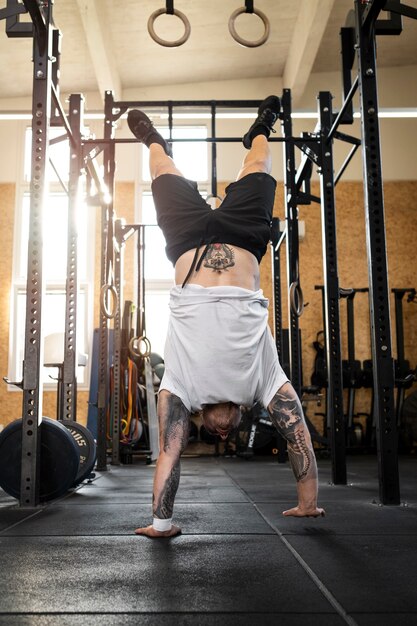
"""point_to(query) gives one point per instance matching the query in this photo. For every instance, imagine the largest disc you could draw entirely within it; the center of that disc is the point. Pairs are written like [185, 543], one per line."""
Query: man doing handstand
[219, 353]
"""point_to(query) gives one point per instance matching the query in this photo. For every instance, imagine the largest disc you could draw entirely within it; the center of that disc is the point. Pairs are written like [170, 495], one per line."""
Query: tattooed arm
[287, 415]
[174, 424]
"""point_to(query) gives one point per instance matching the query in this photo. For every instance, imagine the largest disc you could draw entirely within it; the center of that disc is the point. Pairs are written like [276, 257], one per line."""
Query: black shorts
[243, 219]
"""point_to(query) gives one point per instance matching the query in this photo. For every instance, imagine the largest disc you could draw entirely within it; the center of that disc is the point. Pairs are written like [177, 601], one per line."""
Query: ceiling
[106, 45]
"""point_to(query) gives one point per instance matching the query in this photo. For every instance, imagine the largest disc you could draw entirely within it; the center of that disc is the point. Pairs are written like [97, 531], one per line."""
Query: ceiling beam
[308, 33]
[102, 54]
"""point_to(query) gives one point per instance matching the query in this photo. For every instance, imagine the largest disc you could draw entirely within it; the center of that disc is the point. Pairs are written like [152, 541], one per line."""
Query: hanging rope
[169, 10]
[249, 8]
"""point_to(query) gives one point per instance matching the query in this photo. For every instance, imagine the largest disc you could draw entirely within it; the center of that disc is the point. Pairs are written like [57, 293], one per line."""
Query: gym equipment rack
[358, 37]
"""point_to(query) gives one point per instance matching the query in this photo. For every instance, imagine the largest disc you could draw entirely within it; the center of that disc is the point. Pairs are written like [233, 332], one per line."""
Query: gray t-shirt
[219, 347]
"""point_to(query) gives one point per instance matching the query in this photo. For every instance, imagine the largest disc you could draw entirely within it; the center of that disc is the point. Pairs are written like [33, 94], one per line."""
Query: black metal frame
[292, 240]
[113, 111]
[46, 111]
[69, 378]
[46, 41]
[32, 382]
[383, 367]
[335, 413]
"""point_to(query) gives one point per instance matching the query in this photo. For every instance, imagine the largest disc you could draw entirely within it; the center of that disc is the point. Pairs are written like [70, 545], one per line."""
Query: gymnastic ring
[110, 314]
[245, 42]
[296, 299]
[137, 352]
[164, 42]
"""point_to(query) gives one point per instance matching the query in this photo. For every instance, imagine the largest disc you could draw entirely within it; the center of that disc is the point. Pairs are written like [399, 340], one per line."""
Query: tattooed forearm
[163, 505]
[286, 412]
[219, 257]
[301, 456]
[287, 415]
[174, 423]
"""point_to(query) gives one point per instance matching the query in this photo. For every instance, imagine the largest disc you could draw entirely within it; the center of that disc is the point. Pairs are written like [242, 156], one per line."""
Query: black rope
[249, 6]
[170, 119]
[213, 152]
[170, 7]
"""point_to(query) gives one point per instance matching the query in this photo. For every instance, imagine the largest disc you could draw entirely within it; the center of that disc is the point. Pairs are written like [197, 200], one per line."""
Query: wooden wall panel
[401, 228]
[9, 409]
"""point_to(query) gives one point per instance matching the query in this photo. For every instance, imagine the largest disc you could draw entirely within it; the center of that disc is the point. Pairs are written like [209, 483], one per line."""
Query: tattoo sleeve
[287, 415]
[174, 423]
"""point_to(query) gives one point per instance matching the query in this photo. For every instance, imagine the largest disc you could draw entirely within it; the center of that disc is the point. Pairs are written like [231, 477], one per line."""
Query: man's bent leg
[160, 163]
[258, 159]
[287, 415]
[174, 425]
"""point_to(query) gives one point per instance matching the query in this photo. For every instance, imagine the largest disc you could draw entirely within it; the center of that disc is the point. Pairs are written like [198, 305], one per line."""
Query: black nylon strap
[249, 6]
[170, 7]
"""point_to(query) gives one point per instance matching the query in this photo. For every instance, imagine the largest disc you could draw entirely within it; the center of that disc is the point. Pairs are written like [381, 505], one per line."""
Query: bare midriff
[224, 264]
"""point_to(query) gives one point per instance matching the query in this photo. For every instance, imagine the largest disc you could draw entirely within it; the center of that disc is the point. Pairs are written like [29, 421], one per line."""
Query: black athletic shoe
[268, 113]
[144, 130]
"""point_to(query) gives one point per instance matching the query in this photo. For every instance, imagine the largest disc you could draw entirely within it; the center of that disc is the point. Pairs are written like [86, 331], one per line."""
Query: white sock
[162, 525]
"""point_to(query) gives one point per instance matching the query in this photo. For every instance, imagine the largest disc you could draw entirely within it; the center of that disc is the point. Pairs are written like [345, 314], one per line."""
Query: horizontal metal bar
[347, 138]
[12, 10]
[295, 140]
[55, 140]
[402, 9]
[165, 104]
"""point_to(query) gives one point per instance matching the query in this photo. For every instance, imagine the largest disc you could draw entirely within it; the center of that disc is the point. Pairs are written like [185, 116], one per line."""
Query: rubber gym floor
[76, 560]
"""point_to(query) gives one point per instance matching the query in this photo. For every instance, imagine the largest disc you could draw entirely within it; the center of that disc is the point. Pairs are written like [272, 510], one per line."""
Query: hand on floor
[149, 531]
[298, 511]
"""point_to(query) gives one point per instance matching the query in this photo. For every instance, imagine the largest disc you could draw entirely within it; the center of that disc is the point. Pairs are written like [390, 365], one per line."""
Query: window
[191, 158]
[54, 265]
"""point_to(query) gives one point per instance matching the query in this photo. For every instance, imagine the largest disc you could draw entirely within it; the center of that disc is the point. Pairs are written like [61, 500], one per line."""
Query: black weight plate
[59, 459]
[155, 359]
[159, 370]
[86, 446]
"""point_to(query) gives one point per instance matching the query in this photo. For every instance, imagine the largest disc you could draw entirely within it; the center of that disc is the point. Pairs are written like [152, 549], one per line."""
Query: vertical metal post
[276, 283]
[399, 329]
[33, 353]
[291, 216]
[106, 262]
[103, 360]
[69, 384]
[383, 366]
[56, 53]
[335, 415]
[117, 371]
[140, 248]
[277, 315]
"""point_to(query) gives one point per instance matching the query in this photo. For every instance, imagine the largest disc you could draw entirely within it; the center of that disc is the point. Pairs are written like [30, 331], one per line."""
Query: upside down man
[220, 354]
